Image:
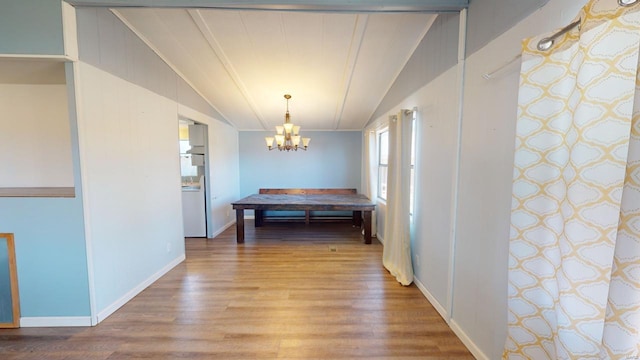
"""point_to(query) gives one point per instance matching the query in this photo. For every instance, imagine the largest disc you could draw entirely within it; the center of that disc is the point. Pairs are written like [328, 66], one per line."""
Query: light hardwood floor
[301, 292]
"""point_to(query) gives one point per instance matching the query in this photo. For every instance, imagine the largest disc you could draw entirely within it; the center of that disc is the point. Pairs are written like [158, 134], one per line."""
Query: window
[383, 163]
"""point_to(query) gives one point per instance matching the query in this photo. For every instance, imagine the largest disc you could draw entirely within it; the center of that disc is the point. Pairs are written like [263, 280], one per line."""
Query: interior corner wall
[333, 160]
[128, 114]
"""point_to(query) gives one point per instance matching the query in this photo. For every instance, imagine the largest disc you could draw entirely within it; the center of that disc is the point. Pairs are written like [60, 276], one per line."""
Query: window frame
[412, 165]
[380, 165]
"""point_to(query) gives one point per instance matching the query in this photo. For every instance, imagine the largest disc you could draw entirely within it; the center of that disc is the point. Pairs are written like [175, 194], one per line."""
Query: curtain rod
[546, 43]
[490, 75]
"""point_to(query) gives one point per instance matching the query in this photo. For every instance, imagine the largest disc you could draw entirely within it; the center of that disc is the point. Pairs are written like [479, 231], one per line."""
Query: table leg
[259, 217]
[239, 226]
[367, 227]
[357, 218]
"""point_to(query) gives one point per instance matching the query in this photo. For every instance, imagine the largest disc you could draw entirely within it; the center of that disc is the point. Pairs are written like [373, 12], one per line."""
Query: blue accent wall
[50, 255]
[31, 27]
[333, 160]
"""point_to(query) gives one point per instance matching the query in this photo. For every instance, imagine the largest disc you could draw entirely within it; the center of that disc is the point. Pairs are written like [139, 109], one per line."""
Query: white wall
[436, 139]
[224, 175]
[131, 182]
[35, 140]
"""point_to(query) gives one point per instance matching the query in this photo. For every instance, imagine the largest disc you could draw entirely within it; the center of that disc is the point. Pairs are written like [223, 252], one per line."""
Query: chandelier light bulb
[269, 141]
[288, 127]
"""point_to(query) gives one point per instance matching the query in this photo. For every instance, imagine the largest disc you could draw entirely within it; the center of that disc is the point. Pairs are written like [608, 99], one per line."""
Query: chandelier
[287, 135]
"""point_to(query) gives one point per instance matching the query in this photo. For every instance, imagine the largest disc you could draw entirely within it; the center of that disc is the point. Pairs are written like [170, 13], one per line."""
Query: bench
[307, 213]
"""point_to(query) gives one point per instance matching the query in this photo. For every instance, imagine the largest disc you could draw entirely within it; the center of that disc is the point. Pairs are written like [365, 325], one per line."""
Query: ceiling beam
[425, 6]
[201, 23]
[354, 50]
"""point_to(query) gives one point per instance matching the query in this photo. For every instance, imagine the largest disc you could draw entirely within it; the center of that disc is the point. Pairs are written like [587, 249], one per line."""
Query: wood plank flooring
[291, 291]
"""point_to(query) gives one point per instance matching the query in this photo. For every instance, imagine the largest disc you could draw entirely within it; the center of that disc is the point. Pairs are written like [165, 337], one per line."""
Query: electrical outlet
[417, 258]
[168, 247]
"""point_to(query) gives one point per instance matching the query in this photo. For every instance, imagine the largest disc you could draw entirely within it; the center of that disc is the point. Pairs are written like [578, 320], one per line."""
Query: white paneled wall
[224, 175]
[131, 181]
[436, 138]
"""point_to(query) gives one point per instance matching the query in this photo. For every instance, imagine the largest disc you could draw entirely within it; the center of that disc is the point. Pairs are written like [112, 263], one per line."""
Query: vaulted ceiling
[338, 66]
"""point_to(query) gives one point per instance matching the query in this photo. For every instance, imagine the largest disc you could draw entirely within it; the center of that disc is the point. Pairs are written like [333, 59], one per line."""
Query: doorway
[193, 169]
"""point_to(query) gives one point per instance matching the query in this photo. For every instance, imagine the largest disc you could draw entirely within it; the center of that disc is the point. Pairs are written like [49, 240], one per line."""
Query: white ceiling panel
[381, 58]
[337, 66]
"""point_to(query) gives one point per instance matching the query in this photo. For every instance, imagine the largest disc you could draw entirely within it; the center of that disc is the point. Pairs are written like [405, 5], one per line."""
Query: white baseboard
[138, 289]
[225, 227]
[439, 308]
[475, 350]
[55, 321]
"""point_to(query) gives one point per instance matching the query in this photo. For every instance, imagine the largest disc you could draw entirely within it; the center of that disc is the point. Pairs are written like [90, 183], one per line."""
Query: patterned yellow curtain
[574, 264]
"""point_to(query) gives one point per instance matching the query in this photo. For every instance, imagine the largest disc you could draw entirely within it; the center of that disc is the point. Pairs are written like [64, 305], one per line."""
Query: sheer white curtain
[396, 256]
[370, 178]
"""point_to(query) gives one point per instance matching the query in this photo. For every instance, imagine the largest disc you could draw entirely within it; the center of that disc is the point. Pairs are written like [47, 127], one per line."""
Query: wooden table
[361, 206]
